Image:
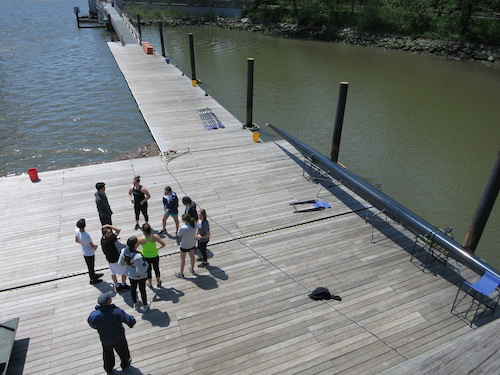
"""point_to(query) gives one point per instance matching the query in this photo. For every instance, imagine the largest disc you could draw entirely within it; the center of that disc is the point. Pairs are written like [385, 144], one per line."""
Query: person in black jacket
[190, 208]
[101, 200]
[108, 320]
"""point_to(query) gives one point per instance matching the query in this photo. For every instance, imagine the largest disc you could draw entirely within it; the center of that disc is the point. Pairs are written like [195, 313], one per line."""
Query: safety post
[339, 121]
[193, 66]
[77, 10]
[250, 64]
[484, 208]
[160, 26]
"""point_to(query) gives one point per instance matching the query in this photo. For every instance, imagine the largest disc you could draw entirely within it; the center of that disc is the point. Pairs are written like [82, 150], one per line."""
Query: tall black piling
[193, 65]
[250, 64]
[77, 10]
[139, 28]
[339, 121]
[484, 208]
[160, 26]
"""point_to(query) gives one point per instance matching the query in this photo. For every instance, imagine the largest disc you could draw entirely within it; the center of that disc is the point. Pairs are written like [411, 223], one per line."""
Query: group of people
[137, 260]
[140, 256]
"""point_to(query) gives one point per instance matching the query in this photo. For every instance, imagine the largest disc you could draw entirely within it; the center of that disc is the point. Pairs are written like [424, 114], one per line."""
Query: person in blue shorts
[171, 208]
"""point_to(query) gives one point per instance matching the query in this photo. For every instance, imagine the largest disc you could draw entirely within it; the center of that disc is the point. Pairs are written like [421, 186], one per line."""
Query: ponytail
[188, 219]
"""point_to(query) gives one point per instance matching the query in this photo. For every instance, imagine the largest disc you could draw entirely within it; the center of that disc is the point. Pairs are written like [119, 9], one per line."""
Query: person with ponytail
[203, 236]
[187, 235]
[137, 272]
[150, 253]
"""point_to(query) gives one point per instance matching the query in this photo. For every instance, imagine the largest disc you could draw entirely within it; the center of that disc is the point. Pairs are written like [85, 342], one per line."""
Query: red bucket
[33, 173]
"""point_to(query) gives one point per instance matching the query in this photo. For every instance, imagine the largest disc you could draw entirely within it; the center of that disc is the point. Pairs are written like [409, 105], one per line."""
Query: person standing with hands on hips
[139, 197]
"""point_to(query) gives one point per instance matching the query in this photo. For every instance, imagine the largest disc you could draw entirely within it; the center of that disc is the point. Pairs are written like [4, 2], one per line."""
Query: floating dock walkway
[249, 312]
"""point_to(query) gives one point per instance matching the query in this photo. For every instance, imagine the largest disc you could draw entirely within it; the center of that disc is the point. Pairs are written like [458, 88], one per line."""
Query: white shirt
[188, 239]
[85, 241]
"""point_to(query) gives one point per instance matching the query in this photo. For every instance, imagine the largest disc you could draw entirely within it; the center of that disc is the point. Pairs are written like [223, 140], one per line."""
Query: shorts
[173, 215]
[186, 250]
[117, 269]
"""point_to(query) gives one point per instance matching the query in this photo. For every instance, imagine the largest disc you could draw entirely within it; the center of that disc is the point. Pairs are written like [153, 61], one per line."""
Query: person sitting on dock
[171, 208]
[88, 250]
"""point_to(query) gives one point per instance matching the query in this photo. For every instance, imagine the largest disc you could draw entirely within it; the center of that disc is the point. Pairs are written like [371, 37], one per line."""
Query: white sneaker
[146, 306]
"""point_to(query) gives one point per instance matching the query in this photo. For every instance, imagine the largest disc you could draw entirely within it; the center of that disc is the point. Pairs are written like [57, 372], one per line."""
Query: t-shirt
[203, 228]
[109, 249]
[85, 241]
[188, 239]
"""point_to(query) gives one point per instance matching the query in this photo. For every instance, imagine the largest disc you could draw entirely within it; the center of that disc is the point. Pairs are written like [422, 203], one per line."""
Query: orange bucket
[33, 173]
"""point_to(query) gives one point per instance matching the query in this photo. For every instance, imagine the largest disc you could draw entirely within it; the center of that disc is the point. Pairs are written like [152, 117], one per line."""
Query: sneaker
[192, 271]
[149, 285]
[136, 305]
[118, 287]
[98, 275]
[136, 226]
[179, 275]
[159, 284]
[163, 231]
[95, 281]
[125, 286]
[203, 265]
[146, 306]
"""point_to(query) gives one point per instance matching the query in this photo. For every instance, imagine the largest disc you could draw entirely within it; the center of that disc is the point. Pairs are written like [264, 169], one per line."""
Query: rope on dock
[262, 257]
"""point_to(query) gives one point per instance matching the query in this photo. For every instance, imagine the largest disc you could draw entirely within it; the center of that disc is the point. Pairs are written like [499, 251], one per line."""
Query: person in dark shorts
[171, 208]
[108, 320]
[187, 235]
[108, 240]
[101, 200]
[139, 197]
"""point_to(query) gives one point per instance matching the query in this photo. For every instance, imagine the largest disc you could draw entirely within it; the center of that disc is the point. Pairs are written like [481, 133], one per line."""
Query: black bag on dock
[323, 293]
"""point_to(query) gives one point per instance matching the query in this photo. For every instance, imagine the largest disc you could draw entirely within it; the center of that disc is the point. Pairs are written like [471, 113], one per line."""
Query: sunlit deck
[249, 312]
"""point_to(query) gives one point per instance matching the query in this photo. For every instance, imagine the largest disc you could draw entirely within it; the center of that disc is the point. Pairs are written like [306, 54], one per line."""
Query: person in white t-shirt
[88, 250]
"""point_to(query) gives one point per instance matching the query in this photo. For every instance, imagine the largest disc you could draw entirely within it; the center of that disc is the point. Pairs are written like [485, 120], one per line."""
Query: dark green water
[426, 128]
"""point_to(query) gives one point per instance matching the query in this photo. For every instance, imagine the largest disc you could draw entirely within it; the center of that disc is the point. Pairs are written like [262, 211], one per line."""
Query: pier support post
[339, 121]
[193, 66]
[250, 64]
[77, 10]
[484, 208]
[139, 28]
[160, 26]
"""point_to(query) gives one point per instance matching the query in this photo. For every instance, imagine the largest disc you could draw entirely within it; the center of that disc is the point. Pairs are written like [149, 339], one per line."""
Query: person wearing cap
[101, 200]
[108, 319]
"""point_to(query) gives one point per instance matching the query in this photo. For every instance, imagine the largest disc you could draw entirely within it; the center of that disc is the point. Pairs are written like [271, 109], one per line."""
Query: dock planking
[249, 312]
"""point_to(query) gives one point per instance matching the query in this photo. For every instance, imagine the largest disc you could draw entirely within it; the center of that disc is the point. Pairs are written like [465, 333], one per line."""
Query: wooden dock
[249, 312]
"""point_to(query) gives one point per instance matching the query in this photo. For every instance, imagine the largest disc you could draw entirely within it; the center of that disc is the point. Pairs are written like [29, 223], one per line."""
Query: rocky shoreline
[448, 49]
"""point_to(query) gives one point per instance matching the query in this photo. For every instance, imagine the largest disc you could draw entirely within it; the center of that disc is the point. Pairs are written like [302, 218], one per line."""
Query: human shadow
[217, 272]
[157, 317]
[167, 294]
[204, 282]
[18, 357]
